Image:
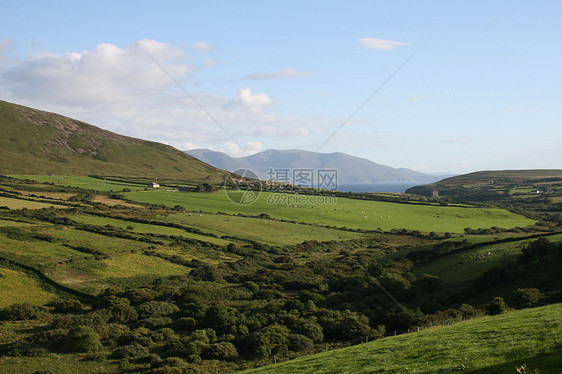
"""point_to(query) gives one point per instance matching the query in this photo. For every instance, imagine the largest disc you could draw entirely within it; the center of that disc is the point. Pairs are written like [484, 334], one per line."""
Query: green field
[350, 213]
[470, 264]
[12, 285]
[485, 345]
[27, 204]
[146, 228]
[262, 230]
[88, 183]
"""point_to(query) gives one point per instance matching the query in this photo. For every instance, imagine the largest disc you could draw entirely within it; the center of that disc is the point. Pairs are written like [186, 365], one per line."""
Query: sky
[435, 86]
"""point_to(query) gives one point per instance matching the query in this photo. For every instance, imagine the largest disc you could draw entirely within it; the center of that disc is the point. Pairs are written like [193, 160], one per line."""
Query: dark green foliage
[300, 343]
[154, 309]
[19, 312]
[82, 339]
[221, 351]
[131, 350]
[527, 297]
[497, 306]
[67, 306]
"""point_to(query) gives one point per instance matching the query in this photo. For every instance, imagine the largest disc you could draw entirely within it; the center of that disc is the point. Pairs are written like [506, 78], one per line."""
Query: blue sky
[483, 89]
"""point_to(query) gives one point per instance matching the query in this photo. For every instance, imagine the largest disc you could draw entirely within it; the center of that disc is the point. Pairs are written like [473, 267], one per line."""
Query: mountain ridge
[351, 169]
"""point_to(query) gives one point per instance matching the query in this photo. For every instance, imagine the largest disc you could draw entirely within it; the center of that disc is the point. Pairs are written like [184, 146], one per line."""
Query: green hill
[495, 344]
[495, 185]
[38, 142]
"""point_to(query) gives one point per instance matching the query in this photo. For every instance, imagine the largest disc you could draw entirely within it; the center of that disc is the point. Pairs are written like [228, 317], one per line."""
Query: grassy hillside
[497, 185]
[350, 213]
[37, 142]
[495, 344]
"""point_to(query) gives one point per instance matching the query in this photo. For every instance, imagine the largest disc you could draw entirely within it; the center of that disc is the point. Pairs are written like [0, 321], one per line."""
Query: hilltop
[38, 142]
[351, 169]
[495, 185]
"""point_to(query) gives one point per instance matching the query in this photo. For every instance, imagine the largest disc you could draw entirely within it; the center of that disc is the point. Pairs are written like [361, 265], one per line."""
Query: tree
[527, 297]
[221, 351]
[497, 306]
[83, 339]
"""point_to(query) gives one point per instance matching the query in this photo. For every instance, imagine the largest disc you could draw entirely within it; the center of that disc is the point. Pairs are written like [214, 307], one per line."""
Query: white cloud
[250, 148]
[106, 75]
[201, 47]
[382, 44]
[125, 91]
[283, 73]
[253, 102]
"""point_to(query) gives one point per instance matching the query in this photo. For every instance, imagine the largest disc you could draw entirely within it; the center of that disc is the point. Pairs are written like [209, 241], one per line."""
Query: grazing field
[263, 230]
[112, 202]
[468, 265]
[350, 213]
[146, 228]
[495, 344]
[88, 183]
[27, 204]
[18, 287]
[59, 364]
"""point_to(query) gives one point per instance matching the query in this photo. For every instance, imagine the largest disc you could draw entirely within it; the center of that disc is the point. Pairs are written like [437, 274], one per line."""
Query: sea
[376, 187]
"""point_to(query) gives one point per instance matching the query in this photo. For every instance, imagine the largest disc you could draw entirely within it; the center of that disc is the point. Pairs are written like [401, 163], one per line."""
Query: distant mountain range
[37, 142]
[351, 170]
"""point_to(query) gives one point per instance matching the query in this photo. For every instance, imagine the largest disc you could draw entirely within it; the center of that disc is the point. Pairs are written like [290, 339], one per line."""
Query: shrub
[300, 343]
[19, 312]
[221, 351]
[67, 306]
[83, 339]
[527, 297]
[156, 309]
[497, 306]
[131, 350]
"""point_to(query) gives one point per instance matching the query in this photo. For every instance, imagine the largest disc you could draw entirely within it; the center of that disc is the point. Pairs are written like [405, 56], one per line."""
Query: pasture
[494, 344]
[263, 230]
[468, 265]
[88, 183]
[27, 204]
[13, 283]
[349, 213]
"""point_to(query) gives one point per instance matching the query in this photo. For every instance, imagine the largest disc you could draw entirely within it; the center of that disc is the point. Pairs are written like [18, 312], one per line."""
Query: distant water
[377, 187]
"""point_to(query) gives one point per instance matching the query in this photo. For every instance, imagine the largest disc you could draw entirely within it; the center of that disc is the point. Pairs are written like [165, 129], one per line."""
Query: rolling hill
[495, 185]
[38, 142]
[351, 169]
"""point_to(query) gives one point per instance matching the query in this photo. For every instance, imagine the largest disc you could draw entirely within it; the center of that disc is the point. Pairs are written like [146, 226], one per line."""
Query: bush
[131, 350]
[221, 351]
[527, 297]
[82, 339]
[497, 306]
[67, 306]
[20, 312]
[156, 309]
[300, 343]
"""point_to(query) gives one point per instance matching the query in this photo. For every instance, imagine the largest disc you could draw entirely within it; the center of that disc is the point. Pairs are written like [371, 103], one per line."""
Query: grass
[350, 213]
[485, 345]
[263, 230]
[13, 282]
[146, 228]
[468, 265]
[56, 363]
[27, 204]
[88, 183]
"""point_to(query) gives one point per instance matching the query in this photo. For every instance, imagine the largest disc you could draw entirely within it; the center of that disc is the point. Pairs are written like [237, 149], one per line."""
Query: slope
[38, 142]
[485, 345]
